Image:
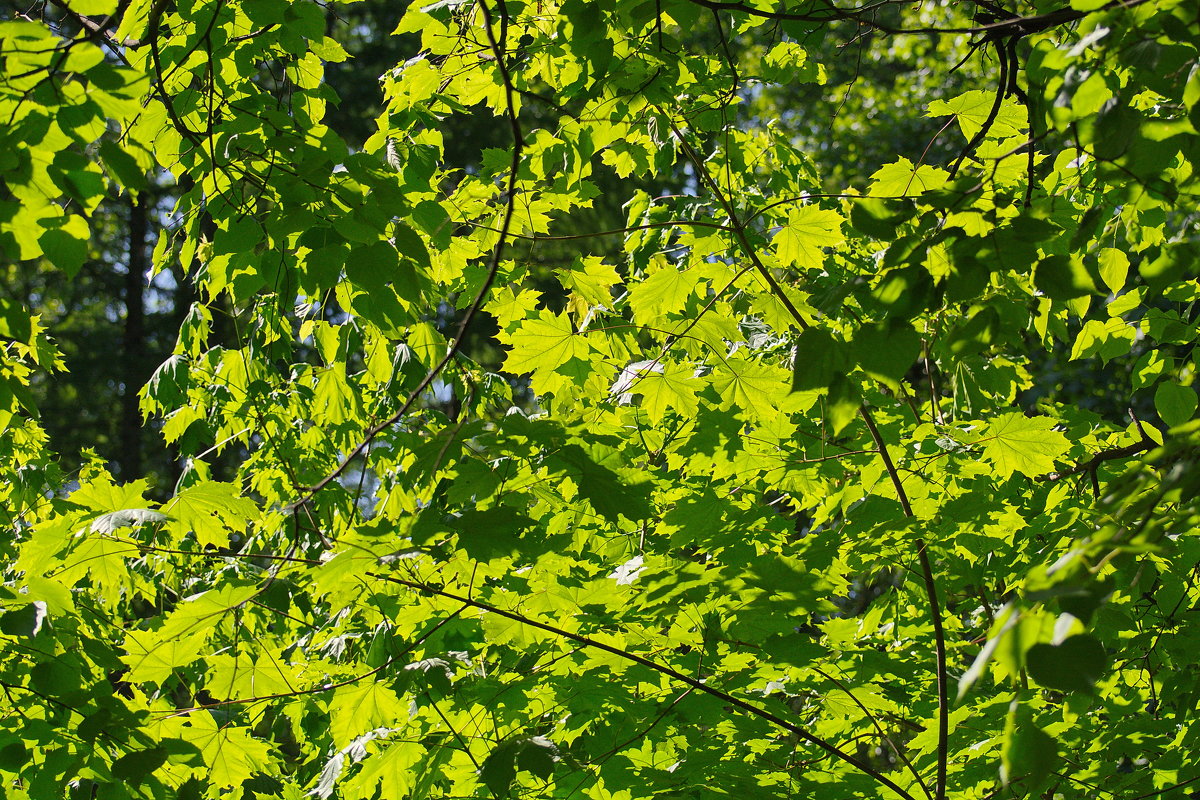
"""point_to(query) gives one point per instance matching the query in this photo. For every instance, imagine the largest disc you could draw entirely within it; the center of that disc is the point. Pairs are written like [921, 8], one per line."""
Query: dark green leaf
[1072, 666]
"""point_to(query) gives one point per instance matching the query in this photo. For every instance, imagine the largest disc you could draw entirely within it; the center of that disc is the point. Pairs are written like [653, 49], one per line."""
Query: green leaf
[231, 753]
[153, 658]
[1028, 751]
[808, 229]
[499, 769]
[94, 8]
[754, 388]
[1028, 445]
[64, 249]
[359, 708]
[972, 110]
[15, 321]
[1114, 268]
[134, 767]
[818, 359]
[666, 291]
[672, 388]
[1075, 665]
[537, 756]
[886, 352]
[123, 166]
[1062, 277]
[376, 266]
[167, 388]
[13, 754]
[902, 178]
[545, 343]
[25, 621]
[210, 510]
[608, 494]
[1175, 404]
[492, 532]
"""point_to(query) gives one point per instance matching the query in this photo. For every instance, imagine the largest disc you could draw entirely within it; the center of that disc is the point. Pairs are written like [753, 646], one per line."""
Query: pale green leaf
[358, 708]
[673, 388]
[901, 178]
[973, 108]
[152, 657]
[231, 753]
[1114, 268]
[210, 510]
[1028, 445]
[808, 229]
[755, 388]
[664, 292]
[545, 343]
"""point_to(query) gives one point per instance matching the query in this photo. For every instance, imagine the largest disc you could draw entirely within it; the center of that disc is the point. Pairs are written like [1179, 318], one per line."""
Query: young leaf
[1028, 445]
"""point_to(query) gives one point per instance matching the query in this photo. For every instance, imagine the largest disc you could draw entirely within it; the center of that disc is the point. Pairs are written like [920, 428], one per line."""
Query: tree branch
[662, 669]
[862, 15]
[497, 47]
[926, 568]
[1092, 465]
[935, 610]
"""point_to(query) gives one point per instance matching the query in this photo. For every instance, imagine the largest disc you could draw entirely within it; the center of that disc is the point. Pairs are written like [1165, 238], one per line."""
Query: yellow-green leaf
[1028, 445]
[545, 343]
[807, 231]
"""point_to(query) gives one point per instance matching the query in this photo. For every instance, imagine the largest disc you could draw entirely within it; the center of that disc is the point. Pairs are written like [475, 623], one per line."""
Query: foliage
[752, 503]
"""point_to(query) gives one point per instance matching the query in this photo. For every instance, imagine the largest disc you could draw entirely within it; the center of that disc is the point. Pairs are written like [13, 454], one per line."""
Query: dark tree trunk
[134, 341]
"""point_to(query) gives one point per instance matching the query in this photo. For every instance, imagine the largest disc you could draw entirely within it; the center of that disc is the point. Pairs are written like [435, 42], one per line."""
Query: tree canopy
[630, 399]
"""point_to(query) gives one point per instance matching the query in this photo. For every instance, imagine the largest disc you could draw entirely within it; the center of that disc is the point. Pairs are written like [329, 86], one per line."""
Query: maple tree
[773, 489]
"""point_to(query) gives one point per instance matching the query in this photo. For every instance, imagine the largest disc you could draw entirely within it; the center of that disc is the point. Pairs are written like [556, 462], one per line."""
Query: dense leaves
[782, 486]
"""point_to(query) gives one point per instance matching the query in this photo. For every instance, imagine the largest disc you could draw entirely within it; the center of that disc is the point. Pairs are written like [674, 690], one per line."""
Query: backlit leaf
[1028, 445]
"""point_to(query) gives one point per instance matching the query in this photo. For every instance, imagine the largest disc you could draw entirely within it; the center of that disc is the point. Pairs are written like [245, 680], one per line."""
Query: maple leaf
[673, 388]
[152, 657]
[210, 510]
[232, 754]
[754, 387]
[902, 178]
[545, 343]
[591, 279]
[973, 108]
[807, 230]
[1028, 445]
[360, 707]
[509, 306]
[666, 291]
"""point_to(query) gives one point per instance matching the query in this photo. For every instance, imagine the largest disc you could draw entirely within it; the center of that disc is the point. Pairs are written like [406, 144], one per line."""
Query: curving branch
[662, 669]
[1091, 466]
[864, 16]
[935, 611]
[739, 231]
[497, 46]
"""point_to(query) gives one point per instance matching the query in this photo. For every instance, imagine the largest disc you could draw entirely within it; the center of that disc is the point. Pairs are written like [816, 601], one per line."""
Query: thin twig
[481, 295]
[662, 669]
[935, 611]
[879, 728]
